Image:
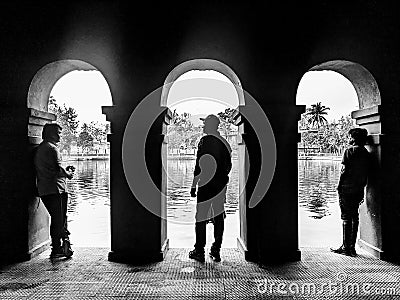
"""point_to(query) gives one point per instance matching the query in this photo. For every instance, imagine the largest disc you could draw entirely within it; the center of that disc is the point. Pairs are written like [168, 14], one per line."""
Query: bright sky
[331, 89]
[202, 92]
[86, 91]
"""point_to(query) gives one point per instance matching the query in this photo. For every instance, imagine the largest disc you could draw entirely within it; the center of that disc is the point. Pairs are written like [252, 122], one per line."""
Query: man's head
[211, 123]
[51, 132]
[358, 136]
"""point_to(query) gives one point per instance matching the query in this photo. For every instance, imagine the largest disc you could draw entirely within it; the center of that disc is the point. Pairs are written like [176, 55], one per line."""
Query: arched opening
[192, 90]
[59, 93]
[340, 91]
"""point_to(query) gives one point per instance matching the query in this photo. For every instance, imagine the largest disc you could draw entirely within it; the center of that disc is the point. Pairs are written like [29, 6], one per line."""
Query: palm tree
[316, 114]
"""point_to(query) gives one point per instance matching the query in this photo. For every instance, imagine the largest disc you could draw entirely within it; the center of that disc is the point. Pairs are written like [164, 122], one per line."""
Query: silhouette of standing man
[52, 188]
[353, 179]
[211, 175]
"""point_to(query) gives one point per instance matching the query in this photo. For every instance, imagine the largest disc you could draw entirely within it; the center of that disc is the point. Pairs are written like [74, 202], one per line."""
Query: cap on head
[211, 120]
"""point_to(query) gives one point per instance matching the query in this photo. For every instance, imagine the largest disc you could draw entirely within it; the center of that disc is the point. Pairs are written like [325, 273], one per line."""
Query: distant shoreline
[85, 157]
[193, 157]
[317, 157]
[299, 157]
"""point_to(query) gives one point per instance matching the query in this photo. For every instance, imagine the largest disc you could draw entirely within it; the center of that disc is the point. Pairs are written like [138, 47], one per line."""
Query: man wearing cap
[211, 176]
[353, 178]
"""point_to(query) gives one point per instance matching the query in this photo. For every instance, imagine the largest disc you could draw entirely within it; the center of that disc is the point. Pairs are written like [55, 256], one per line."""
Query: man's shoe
[57, 252]
[197, 255]
[342, 250]
[214, 254]
[353, 252]
[67, 248]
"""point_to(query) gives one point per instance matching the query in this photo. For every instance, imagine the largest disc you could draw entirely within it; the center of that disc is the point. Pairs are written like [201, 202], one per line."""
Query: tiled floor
[89, 275]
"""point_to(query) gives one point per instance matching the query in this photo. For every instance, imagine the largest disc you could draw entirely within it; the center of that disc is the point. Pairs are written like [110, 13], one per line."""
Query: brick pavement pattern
[89, 275]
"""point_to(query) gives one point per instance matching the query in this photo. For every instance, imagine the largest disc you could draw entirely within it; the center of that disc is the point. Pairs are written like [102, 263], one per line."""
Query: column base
[248, 255]
[39, 249]
[139, 257]
[278, 256]
[379, 253]
[17, 257]
[371, 249]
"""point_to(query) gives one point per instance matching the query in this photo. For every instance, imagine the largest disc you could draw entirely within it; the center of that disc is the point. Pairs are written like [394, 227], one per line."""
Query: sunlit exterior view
[201, 151]
[323, 139]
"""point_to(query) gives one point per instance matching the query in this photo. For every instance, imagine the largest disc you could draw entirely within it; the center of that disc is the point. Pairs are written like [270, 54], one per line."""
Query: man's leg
[218, 231]
[53, 205]
[354, 225]
[200, 230]
[219, 211]
[347, 227]
[354, 232]
[218, 234]
[65, 233]
[64, 206]
[346, 245]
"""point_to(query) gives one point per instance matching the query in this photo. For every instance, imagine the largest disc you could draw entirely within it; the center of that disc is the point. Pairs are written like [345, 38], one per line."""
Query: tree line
[327, 137]
[316, 131]
[183, 133]
[85, 136]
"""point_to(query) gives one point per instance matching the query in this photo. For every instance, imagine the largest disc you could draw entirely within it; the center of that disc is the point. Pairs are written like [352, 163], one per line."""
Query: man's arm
[194, 185]
[227, 157]
[65, 173]
[61, 171]
[229, 161]
[195, 181]
[197, 170]
[342, 174]
[343, 169]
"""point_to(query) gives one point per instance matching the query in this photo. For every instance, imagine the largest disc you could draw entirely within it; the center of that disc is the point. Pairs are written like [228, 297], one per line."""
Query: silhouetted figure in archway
[356, 164]
[52, 188]
[211, 175]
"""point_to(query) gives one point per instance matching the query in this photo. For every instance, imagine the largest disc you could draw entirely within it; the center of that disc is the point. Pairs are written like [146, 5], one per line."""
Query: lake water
[89, 207]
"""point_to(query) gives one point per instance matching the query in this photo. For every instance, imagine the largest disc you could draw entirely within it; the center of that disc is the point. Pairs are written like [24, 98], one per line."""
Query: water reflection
[89, 203]
[89, 207]
[180, 206]
[317, 186]
[90, 184]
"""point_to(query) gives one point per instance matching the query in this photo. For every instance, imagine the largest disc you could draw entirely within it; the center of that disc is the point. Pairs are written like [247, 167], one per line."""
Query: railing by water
[73, 157]
[318, 156]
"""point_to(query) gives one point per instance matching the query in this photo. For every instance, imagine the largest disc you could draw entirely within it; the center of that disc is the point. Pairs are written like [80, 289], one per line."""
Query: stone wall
[269, 47]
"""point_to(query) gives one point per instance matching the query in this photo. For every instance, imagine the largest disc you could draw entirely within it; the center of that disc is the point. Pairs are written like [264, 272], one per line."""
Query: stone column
[137, 234]
[164, 177]
[243, 239]
[371, 209]
[380, 212]
[269, 231]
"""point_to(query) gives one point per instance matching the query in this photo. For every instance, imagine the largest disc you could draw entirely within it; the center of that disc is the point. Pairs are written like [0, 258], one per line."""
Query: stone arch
[40, 89]
[44, 80]
[201, 64]
[218, 66]
[37, 105]
[368, 116]
[364, 83]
